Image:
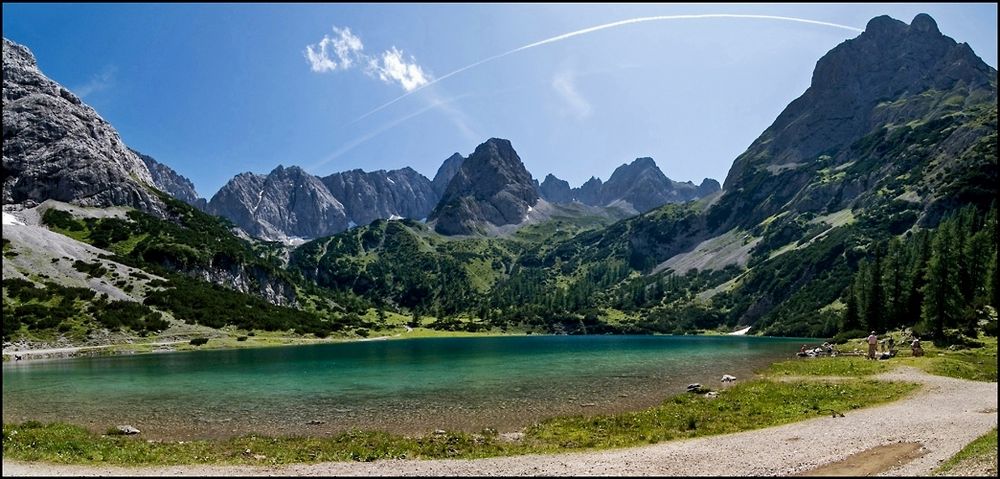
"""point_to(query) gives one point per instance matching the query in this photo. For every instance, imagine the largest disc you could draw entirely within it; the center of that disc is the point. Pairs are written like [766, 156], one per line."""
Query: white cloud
[345, 45]
[395, 68]
[100, 81]
[391, 66]
[564, 85]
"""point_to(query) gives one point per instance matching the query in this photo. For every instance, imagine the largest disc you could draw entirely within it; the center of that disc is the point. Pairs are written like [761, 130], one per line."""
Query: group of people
[889, 347]
[827, 348]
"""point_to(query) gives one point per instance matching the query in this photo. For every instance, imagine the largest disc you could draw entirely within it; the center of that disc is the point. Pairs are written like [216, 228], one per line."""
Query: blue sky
[215, 90]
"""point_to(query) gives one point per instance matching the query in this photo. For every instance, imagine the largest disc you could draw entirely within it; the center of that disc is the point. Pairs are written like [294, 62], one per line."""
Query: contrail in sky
[357, 141]
[605, 26]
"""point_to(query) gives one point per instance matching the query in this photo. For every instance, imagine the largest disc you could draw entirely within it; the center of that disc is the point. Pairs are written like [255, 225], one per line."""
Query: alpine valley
[869, 203]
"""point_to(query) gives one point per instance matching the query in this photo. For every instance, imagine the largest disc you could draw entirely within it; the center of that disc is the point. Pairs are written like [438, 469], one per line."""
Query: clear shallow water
[405, 386]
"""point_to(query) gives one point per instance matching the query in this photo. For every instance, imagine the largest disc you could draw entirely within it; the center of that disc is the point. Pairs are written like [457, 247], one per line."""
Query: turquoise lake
[405, 386]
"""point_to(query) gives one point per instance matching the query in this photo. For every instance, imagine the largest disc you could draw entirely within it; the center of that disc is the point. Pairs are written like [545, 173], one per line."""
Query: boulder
[128, 430]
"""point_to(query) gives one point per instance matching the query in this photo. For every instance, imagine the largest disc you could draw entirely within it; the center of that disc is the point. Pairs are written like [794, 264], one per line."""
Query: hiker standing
[915, 347]
[872, 344]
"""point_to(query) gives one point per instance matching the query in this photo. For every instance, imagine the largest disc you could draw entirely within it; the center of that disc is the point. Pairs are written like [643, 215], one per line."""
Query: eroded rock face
[286, 203]
[492, 188]
[169, 181]
[368, 196]
[446, 172]
[57, 147]
[891, 76]
[641, 184]
[555, 190]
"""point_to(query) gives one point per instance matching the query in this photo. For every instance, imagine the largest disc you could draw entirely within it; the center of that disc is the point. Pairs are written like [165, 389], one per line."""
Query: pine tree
[894, 278]
[942, 296]
[851, 320]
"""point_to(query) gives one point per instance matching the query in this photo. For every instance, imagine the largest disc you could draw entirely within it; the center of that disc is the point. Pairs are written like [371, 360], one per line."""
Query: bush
[198, 341]
[990, 329]
[241, 338]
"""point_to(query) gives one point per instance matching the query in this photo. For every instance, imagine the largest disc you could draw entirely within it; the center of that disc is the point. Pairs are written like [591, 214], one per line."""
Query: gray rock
[368, 196]
[446, 172]
[169, 181]
[286, 203]
[128, 430]
[590, 192]
[891, 75]
[555, 190]
[641, 184]
[727, 378]
[57, 147]
[492, 188]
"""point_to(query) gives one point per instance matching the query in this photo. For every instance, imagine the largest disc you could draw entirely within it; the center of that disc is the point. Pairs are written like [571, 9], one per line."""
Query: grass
[848, 366]
[751, 405]
[976, 364]
[982, 450]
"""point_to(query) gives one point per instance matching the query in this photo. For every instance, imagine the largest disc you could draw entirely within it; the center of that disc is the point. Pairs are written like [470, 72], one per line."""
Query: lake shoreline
[464, 384]
[252, 342]
[936, 416]
[214, 344]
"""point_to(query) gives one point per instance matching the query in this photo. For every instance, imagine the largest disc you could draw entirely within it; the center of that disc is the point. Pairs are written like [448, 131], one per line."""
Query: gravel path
[943, 416]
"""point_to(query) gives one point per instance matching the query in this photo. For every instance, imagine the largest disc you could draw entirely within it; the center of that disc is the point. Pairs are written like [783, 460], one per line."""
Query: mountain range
[894, 140]
[284, 206]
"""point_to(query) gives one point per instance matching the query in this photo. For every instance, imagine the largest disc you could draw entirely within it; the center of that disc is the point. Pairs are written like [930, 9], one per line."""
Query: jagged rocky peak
[491, 188]
[640, 184]
[589, 193]
[707, 187]
[57, 147]
[555, 190]
[286, 203]
[169, 181]
[892, 75]
[446, 172]
[858, 85]
[367, 196]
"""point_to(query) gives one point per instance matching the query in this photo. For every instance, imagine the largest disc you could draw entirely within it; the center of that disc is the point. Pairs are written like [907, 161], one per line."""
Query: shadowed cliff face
[891, 76]
[641, 184]
[368, 196]
[57, 147]
[446, 172]
[169, 181]
[491, 187]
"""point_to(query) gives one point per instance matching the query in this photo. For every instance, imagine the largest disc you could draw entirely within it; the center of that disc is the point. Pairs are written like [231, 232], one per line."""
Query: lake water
[404, 386]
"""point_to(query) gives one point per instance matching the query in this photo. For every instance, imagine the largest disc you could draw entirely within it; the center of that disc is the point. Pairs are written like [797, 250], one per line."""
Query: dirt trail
[943, 416]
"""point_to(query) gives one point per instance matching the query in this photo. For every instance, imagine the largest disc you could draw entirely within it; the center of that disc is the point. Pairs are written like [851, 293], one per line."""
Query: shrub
[198, 341]
[241, 338]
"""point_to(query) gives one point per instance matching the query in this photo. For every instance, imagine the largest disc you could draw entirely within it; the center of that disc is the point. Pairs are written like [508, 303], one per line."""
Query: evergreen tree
[942, 295]
[894, 278]
[851, 320]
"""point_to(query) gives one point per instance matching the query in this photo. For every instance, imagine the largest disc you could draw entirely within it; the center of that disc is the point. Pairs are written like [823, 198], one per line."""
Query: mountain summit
[491, 188]
[57, 147]
[640, 184]
[868, 95]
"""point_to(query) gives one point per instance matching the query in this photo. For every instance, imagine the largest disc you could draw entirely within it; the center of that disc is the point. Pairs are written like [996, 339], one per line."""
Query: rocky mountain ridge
[641, 184]
[169, 181]
[491, 188]
[57, 147]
